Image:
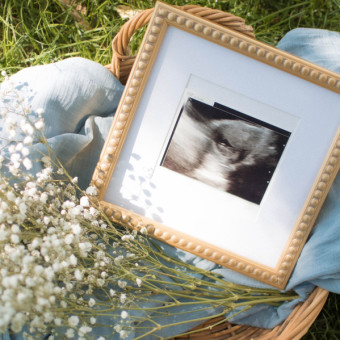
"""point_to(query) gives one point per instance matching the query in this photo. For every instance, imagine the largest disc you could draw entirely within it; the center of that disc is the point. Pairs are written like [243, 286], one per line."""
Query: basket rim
[122, 61]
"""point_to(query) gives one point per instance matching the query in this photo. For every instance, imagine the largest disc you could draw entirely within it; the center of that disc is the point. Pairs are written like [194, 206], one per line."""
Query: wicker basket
[304, 314]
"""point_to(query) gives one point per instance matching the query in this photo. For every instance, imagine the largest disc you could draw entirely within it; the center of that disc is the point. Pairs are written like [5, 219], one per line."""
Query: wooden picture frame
[198, 89]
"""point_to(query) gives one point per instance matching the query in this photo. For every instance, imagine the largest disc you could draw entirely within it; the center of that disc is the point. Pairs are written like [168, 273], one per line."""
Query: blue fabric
[80, 97]
[318, 46]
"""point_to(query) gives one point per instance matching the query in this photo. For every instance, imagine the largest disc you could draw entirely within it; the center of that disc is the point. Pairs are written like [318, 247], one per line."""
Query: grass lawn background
[35, 32]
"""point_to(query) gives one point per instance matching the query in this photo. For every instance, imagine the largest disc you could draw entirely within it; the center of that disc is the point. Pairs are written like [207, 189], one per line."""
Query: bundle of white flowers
[67, 271]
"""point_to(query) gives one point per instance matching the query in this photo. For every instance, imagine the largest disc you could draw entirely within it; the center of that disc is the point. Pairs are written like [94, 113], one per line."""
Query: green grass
[327, 325]
[42, 31]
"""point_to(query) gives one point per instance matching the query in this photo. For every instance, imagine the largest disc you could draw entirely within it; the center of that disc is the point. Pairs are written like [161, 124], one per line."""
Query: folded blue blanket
[80, 97]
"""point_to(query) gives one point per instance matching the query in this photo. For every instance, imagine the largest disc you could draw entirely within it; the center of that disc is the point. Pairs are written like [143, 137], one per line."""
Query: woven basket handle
[122, 62]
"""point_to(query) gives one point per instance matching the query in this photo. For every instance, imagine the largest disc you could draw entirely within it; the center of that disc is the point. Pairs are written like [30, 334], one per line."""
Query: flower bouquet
[66, 271]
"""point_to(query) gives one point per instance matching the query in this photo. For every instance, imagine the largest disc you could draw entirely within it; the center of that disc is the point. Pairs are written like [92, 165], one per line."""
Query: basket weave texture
[122, 62]
[304, 314]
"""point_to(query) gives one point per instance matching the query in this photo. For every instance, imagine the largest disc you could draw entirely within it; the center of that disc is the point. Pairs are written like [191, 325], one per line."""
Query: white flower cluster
[41, 241]
[19, 126]
[54, 249]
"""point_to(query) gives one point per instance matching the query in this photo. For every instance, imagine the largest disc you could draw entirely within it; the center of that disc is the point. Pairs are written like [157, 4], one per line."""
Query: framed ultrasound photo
[222, 146]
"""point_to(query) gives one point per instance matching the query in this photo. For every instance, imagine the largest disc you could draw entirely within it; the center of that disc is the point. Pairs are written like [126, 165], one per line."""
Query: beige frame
[327, 82]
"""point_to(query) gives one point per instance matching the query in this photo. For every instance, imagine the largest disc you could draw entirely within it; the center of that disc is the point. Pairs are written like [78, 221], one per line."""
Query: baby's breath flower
[78, 274]
[15, 157]
[10, 196]
[70, 333]
[123, 334]
[124, 314]
[75, 212]
[69, 238]
[123, 298]
[73, 260]
[73, 320]
[127, 237]
[84, 201]
[85, 247]
[43, 197]
[15, 238]
[27, 163]
[76, 228]
[58, 321]
[117, 328]
[139, 282]
[17, 322]
[18, 147]
[46, 161]
[25, 151]
[22, 208]
[100, 282]
[92, 302]
[91, 190]
[28, 140]
[84, 330]
[118, 260]
[47, 220]
[27, 128]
